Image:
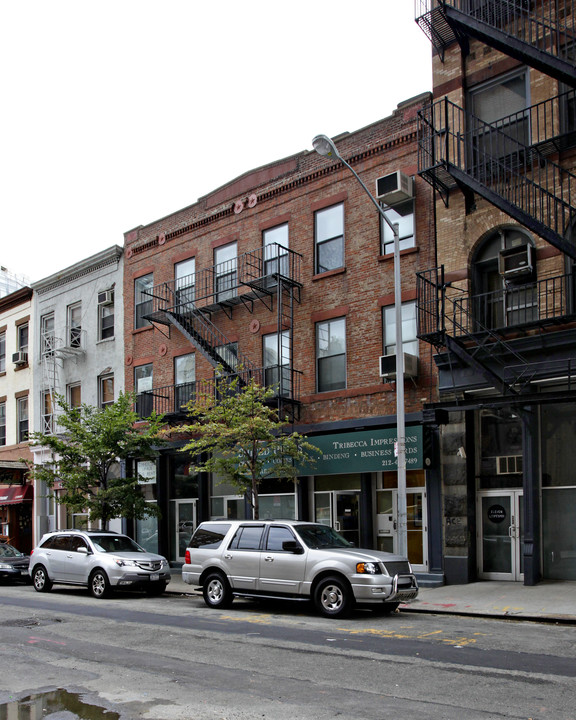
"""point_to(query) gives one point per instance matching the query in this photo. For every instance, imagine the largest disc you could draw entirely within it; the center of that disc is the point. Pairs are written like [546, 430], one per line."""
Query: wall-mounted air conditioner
[20, 358]
[388, 366]
[106, 297]
[517, 261]
[508, 464]
[394, 188]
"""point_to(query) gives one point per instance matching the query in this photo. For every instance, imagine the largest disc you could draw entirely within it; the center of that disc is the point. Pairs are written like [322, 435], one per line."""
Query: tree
[237, 435]
[85, 457]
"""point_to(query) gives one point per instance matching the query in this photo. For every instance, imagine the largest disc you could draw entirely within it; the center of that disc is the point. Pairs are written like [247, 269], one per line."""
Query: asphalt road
[171, 657]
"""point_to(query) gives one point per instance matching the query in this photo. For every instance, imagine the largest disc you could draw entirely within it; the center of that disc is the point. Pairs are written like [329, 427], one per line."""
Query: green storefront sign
[364, 451]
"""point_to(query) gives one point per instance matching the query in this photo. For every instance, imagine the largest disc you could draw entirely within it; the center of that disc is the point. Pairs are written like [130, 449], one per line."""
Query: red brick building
[287, 272]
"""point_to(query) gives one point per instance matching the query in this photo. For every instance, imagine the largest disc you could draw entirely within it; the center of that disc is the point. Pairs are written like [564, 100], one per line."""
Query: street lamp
[325, 146]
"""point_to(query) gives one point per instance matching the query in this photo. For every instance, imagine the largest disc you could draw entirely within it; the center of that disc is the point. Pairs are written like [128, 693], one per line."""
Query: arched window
[504, 287]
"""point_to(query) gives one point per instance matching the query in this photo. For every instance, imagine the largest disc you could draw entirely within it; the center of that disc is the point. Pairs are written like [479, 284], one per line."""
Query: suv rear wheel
[333, 598]
[99, 585]
[216, 591]
[42, 582]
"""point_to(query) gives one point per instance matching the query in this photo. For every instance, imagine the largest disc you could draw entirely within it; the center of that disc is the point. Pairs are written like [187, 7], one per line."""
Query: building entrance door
[340, 510]
[500, 534]
[416, 524]
[185, 525]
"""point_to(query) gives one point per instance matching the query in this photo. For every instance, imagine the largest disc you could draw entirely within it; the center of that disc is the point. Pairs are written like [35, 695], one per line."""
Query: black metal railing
[173, 399]
[493, 160]
[448, 311]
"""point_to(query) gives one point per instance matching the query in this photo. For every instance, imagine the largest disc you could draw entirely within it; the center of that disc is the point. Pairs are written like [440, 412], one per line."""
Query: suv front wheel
[333, 598]
[216, 591]
[99, 585]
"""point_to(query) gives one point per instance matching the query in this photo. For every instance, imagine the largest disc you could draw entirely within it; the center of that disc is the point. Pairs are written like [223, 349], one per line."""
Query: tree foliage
[238, 436]
[85, 457]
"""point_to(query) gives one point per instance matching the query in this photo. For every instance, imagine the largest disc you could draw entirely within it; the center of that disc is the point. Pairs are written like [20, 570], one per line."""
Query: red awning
[16, 494]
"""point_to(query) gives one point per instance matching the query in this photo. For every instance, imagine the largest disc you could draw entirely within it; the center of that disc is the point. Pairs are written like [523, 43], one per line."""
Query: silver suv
[293, 560]
[100, 560]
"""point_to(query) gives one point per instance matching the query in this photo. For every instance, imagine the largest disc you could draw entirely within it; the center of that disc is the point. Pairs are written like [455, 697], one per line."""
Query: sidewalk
[549, 601]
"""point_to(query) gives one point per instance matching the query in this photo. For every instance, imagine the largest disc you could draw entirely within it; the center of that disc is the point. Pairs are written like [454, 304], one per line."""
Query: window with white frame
[47, 338]
[185, 281]
[331, 355]
[226, 271]
[409, 329]
[75, 325]
[106, 316]
[2, 352]
[276, 357]
[22, 338]
[47, 413]
[143, 378]
[74, 395]
[403, 215]
[329, 238]
[275, 241]
[22, 419]
[105, 390]
[142, 300]
[184, 380]
[2, 423]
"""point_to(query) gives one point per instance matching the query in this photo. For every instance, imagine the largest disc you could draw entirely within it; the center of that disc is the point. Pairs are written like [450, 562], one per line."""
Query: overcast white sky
[118, 112]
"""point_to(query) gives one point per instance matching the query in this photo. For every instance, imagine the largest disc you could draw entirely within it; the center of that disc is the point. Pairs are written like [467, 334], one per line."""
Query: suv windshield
[115, 543]
[321, 536]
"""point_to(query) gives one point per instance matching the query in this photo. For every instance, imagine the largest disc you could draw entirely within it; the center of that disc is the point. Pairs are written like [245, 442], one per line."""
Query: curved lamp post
[325, 146]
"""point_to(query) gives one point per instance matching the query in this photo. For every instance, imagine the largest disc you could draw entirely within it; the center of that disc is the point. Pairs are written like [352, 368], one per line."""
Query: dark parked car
[13, 564]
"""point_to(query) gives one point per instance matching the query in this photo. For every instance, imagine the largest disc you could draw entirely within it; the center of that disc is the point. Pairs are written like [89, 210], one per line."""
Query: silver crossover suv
[293, 560]
[100, 560]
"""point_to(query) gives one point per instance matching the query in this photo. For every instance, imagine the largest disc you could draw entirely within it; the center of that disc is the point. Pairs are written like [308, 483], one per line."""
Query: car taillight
[187, 557]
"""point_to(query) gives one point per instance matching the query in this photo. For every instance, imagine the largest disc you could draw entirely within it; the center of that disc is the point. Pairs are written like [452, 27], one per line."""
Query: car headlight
[368, 568]
[126, 563]
[5, 566]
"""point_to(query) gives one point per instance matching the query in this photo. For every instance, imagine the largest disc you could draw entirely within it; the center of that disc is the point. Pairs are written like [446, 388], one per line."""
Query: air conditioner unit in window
[388, 366]
[517, 261]
[20, 358]
[508, 464]
[394, 188]
[106, 297]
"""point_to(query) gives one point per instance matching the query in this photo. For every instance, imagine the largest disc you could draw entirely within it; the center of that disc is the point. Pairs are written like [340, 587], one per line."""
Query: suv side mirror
[82, 550]
[293, 547]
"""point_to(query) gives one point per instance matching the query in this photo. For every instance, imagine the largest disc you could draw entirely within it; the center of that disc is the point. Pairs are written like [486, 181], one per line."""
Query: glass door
[340, 510]
[184, 526]
[500, 534]
[416, 524]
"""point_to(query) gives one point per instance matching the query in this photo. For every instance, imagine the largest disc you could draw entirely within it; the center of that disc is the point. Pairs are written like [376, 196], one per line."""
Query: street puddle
[43, 705]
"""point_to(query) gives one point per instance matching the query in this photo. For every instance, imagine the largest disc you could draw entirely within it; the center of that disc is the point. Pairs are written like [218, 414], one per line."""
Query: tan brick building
[498, 145]
[287, 273]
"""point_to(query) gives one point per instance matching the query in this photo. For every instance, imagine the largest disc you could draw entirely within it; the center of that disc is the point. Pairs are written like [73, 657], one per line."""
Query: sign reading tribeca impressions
[365, 451]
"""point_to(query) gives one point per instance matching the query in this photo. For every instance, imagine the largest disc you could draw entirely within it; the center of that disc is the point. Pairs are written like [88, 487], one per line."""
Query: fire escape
[515, 165]
[270, 276]
[54, 353]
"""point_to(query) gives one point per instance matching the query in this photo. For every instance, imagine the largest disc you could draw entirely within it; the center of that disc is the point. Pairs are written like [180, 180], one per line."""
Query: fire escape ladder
[539, 33]
[496, 162]
[288, 379]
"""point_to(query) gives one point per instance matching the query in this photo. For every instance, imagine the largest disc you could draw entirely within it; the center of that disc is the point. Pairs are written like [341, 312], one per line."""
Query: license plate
[154, 577]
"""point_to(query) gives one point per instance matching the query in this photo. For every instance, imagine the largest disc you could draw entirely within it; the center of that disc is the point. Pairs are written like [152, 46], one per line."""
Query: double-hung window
[74, 393]
[47, 413]
[106, 316]
[403, 215]
[105, 390]
[276, 355]
[331, 355]
[275, 242]
[329, 238]
[143, 378]
[2, 352]
[22, 419]
[47, 337]
[184, 380]
[142, 300]
[22, 338]
[75, 325]
[185, 284]
[226, 271]
[2, 423]
[409, 329]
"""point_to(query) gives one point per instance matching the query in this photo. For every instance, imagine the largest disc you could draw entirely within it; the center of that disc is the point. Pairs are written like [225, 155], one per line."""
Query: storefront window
[147, 528]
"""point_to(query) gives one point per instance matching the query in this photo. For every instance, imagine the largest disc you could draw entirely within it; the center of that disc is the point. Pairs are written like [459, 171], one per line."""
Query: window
[247, 538]
[226, 277]
[105, 390]
[143, 376]
[228, 354]
[409, 329]
[331, 355]
[3, 423]
[568, 100]
[22, 338]
[185, 282]
[276, 356]
[277, 536]
[47, 413]
[106, 316]
[275, 242]
[184, 380]
[329, 238]
[47, 340]
[403, 214]
[75, 325]
[142, 301]
[74, 395]
[22, 419]
[2, 352]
